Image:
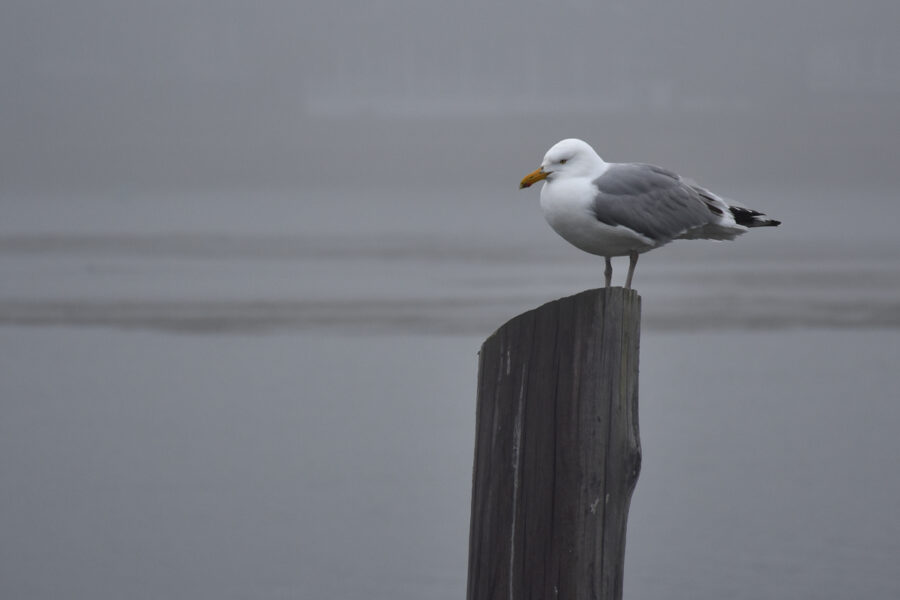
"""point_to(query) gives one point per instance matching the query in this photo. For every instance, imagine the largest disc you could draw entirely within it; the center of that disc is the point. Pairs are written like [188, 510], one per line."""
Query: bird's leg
[631, 264]
[608, 272]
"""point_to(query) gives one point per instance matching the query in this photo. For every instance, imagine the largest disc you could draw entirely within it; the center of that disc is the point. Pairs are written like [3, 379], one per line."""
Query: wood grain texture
[557, 451]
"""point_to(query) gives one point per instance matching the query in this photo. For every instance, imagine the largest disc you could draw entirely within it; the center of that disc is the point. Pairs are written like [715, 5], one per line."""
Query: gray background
[248, 253]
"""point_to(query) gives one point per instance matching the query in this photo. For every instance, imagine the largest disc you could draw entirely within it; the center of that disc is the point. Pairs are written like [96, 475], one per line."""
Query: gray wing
[650, 200]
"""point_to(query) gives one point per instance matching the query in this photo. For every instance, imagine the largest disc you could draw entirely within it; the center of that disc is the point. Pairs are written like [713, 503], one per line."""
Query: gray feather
[650, 200]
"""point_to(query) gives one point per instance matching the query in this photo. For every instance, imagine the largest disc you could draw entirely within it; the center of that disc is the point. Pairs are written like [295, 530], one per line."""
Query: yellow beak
[533, 177]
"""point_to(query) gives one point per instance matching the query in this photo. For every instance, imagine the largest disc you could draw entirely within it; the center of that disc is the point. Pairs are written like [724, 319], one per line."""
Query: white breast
[567, 207]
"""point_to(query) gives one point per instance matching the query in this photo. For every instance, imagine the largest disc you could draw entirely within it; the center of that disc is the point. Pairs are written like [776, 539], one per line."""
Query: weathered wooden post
[557, 451]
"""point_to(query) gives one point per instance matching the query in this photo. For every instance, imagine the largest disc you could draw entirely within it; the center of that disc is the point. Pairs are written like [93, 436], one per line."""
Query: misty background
[248, 253]
[121, 95]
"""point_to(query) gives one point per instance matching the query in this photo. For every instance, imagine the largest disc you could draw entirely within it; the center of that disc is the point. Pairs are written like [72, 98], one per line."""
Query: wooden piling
[557, 450]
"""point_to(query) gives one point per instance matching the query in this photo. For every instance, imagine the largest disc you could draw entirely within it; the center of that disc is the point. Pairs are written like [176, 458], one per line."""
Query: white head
[568, 158]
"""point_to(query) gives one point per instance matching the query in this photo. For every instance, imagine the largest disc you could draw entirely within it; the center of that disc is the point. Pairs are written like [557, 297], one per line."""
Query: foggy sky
[116, 96]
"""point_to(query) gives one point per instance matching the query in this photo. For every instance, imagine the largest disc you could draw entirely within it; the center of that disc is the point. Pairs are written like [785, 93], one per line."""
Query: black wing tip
[763, 223]
[751, 218]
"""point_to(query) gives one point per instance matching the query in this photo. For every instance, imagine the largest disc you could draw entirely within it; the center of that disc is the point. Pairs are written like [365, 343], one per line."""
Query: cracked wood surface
[557, 450]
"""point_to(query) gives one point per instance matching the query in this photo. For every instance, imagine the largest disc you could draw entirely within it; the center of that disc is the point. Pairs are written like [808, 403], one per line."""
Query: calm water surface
[218, 398]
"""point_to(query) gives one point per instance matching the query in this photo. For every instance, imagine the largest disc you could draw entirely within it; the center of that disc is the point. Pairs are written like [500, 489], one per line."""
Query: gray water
[243, 403]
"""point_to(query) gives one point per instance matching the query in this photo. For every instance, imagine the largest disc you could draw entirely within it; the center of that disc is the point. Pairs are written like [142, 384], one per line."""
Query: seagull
[626, 209]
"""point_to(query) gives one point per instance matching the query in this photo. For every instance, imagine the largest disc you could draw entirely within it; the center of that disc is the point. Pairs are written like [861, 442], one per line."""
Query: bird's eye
[563, 161]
